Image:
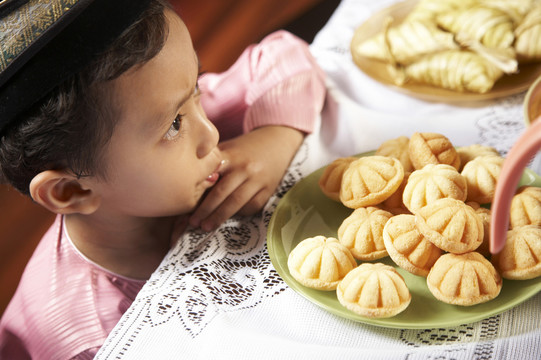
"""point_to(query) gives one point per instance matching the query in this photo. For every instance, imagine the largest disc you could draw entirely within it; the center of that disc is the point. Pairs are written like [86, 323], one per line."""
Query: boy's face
[163, 154]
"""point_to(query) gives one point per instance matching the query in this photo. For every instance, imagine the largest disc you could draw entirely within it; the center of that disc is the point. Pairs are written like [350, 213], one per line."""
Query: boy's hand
[255, 164]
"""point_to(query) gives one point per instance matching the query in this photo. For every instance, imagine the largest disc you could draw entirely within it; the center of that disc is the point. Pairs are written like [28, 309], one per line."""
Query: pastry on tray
[406, 42]
[398, 149]
[526, 207]
[320, 262]
[516, 9]
[432, 148]
[370, 180]
[457, 70]
[408, 248]
[520, 258]
[451, 225]
[527, 34]
[330, 180]
[464, 279]
[362, 233]
[485, 216]
[428, 10]
[457, 45]
[431, 183]
[470, 152]
[481, 175]
[374, 290]
[496, 32]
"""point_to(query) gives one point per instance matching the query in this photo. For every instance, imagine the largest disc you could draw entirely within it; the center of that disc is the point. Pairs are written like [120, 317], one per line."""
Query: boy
[109, 132]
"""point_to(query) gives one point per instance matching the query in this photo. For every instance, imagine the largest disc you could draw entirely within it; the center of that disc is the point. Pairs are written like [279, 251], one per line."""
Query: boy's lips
[216, 173]
[213, 177]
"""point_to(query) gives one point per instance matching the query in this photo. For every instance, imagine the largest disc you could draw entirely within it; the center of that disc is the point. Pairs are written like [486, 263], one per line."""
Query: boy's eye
[174, 129]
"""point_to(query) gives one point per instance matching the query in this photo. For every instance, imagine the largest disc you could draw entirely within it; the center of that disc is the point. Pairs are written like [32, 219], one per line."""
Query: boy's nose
[208, 137]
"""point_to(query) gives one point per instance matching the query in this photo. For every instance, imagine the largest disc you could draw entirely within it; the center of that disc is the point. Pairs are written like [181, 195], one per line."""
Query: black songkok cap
[44, 42]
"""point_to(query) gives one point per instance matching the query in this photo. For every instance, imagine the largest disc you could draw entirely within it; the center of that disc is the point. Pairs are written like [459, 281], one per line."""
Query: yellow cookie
[451, 225]
[465, 279]
[431, 183]
[520, 258]
[468, 153]
[481, 175]
[362, 233]
[330, 180]
[370, 180]
[398, 149]
[485, 216]
[320, 262]
[408, 247]
[374, 290]
[526, 207]
[432, 148]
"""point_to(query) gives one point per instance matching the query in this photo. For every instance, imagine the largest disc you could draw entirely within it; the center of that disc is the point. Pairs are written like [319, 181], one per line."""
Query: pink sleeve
[276, 82]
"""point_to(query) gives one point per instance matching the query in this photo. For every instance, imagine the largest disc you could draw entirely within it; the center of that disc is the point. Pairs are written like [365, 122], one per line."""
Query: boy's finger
[256, 204]
[216, 196]
[241, 196]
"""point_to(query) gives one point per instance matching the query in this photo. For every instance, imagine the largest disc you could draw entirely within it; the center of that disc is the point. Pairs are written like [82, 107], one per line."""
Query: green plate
[306, 212]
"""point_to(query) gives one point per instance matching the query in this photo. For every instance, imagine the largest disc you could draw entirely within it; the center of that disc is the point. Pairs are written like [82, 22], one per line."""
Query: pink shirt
[66, 305]
[276, 82]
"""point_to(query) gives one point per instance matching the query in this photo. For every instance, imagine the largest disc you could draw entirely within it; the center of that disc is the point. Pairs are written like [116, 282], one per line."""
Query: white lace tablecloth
[217, 295]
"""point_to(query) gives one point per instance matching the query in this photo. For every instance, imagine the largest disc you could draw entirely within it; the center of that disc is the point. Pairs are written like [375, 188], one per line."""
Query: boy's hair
[70, 128]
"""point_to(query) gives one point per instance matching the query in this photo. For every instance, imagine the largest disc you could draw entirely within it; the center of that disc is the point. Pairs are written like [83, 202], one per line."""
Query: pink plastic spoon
[515, 162]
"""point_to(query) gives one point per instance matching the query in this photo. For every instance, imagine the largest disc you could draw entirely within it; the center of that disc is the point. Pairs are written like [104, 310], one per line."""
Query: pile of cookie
[464, 45]
[425, 204]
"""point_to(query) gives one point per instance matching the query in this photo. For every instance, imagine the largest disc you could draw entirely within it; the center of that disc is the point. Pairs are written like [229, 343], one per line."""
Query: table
[217, 295]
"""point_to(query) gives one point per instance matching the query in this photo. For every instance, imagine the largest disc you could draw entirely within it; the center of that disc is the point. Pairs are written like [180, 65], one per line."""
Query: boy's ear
[62, 193]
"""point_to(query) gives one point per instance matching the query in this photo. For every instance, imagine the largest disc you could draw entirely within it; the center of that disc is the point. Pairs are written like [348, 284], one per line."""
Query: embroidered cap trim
[20, 29]
[44, 42]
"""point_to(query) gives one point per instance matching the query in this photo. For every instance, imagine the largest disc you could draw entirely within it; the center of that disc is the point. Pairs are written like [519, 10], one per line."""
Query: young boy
[102, 121]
